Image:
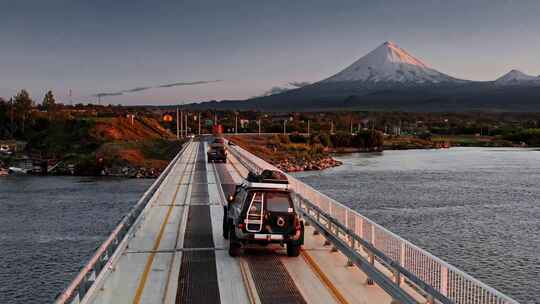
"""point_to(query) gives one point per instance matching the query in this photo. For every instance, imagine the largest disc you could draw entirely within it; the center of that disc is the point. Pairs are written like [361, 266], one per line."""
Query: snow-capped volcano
[516, 77]
[390, 63]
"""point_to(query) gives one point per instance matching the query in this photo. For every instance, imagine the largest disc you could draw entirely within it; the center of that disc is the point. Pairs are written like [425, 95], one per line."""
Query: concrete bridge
[170, 249]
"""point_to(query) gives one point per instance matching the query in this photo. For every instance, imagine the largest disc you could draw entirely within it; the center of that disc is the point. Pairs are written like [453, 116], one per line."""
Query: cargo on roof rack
[268, 176]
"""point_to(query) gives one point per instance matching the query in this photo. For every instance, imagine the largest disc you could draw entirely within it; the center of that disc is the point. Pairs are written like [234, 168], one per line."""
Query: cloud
[275, 90]
[179, 84]
[108, 94]
[137, 89]
[140, 89]
[299, 84]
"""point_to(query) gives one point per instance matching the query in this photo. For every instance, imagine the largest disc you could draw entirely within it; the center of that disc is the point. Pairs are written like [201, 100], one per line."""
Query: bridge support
[353, 247]
[371, 260]
[397, 277]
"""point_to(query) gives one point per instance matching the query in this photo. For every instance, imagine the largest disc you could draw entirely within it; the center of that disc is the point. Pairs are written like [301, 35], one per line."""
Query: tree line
[16, 112]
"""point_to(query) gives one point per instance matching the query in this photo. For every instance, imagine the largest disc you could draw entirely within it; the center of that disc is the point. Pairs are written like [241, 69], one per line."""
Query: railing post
[371, 259]
[318, 217]
[444, 280]
[373, 235]
[326, 241]
[402, 259]
[353, 247]
[397, 277]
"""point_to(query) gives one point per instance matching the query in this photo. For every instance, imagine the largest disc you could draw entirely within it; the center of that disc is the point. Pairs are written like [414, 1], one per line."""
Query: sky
[238, 49]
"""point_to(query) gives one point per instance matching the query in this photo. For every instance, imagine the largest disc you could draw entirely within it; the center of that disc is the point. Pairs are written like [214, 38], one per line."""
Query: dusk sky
[99, 46]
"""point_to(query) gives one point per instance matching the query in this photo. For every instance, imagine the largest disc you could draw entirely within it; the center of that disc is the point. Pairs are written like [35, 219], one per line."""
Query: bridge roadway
[178, 255]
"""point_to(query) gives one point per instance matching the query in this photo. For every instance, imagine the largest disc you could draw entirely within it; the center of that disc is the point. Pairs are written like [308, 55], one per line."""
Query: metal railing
[77, 289]
[433, 278]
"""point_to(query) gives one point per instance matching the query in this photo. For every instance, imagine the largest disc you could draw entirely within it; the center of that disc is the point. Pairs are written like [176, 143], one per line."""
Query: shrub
[297, 138]
[321, 138]
[341, 139]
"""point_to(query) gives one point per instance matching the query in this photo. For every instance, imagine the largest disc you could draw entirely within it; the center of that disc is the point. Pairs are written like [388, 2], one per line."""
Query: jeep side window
[239, 197]
[278, 201]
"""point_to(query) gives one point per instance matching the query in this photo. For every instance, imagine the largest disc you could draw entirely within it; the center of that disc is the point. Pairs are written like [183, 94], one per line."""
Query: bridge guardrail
[437, 279]
[78, 287]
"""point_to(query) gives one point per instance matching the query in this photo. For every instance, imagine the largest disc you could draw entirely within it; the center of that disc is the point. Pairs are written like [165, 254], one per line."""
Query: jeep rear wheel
[234, 247]
[225, 224]
[293, 250]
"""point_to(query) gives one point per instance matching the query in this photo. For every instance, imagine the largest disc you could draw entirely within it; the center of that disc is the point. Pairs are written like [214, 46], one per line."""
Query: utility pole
[181, 123]
[186, 121]
[235, 123]
[331, 127]
[259, 121]
[308, 128]
[177, 123]
[285, 127]
[199, 119]
[70, 98]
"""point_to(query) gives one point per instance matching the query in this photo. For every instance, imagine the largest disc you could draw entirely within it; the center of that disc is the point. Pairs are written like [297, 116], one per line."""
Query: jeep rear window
[277, 201]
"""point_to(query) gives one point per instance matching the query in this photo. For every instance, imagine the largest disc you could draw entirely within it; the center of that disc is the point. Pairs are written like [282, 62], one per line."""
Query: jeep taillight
[297, 223]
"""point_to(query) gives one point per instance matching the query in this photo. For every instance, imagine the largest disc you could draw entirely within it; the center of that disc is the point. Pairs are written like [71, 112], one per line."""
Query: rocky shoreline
[299, 165]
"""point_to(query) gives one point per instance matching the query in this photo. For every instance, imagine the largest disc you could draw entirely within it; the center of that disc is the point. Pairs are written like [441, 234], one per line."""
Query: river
[49, 226]
[477, 208]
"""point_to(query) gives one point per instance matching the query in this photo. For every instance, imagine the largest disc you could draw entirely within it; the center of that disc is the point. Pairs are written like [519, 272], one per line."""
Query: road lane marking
[150, 260]
[324, 279]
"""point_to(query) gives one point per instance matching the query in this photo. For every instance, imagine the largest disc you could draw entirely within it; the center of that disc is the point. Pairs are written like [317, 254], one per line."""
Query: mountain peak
[516, 77]
[390, 63]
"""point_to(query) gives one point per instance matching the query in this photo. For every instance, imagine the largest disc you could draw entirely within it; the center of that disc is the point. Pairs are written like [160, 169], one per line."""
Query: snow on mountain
[390, 63]
[516, 77]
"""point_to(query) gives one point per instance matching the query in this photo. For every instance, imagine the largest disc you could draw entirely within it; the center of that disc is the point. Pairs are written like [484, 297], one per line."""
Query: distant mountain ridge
[517, 77]
[391, 79]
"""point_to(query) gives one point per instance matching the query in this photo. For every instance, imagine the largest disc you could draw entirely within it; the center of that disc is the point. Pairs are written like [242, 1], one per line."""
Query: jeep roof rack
[268, 176]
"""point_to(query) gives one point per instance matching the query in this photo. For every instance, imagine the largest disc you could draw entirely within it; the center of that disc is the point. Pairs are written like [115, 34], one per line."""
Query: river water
[477, 208]
[49, 226]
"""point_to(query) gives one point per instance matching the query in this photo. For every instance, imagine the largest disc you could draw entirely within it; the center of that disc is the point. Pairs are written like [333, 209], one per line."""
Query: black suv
[261, 211]
[217, 151]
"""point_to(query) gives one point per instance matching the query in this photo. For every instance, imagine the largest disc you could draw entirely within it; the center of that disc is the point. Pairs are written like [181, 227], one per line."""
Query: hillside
[104, 146]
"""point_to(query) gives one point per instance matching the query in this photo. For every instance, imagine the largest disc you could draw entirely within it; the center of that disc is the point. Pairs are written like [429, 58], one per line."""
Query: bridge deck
[178, 254]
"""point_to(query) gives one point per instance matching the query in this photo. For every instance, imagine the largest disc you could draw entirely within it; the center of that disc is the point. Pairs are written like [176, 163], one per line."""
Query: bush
[298, 139]
[321, 138]
[370, 140]
[529, 136]
[341, 139]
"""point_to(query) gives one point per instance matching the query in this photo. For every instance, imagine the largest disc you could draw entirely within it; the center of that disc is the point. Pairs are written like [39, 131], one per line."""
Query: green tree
[23, 106]
[49, 103]
[4, 118]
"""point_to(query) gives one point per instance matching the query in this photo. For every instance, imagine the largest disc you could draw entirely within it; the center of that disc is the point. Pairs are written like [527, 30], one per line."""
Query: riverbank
[286, 155]
[114, 146]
